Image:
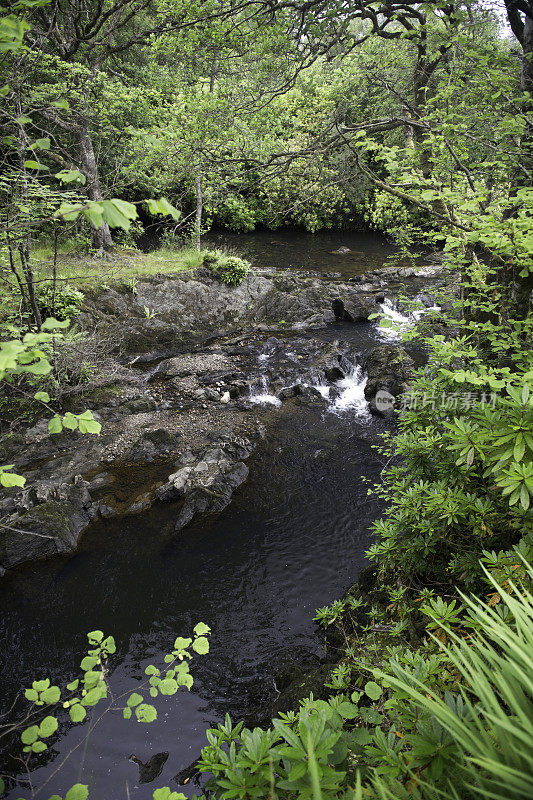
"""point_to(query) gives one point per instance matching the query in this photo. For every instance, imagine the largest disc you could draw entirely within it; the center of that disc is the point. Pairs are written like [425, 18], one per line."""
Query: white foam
[261, 396]
[352, 396]
[400, 322]
[265, 399]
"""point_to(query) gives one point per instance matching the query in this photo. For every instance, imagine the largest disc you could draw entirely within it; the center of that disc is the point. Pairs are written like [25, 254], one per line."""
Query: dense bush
[464, 480]
[63, 303]
[231, 270]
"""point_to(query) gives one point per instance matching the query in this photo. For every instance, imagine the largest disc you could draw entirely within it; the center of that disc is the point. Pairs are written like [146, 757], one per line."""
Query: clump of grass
[230, 269]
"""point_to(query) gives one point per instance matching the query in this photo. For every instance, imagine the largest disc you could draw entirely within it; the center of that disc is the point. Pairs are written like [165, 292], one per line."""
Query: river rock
[210, 489]
[389, 371]
[333, 373]
[354, 309]
[304, 683]
[341, 251]
[49, 529]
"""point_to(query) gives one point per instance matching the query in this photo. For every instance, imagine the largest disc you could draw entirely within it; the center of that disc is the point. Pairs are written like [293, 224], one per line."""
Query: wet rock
[389, 372]
[211, 490]
[355, 309]
[193, 364]
[341, 251]
[47, 530]
[151, 444]
[107, 511]
[305, 682]
[333, 374]
[141, 504]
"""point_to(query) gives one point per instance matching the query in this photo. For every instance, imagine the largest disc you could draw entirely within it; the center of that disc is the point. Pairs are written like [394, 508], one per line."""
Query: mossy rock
[307, 682]
[46, 530]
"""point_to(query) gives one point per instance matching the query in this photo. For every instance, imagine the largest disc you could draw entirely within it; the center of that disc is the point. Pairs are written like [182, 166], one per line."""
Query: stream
[292, 540]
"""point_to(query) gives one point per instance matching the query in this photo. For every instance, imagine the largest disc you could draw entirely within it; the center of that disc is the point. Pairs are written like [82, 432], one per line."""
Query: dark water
[301, 250]
[292, 540]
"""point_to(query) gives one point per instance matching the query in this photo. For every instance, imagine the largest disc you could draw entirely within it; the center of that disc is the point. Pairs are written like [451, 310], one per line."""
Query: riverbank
[254, 394]
[178, 360]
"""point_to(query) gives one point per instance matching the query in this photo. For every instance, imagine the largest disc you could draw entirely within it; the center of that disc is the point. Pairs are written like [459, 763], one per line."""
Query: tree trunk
[521, 22]
[24, 242]
[199, 209]
[421, 137]
[101, 237]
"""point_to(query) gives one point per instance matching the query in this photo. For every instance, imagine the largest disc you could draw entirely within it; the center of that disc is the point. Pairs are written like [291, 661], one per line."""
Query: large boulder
[304, 682]
[389, 371]
[47, 530]
[209, 487]
[353, 309]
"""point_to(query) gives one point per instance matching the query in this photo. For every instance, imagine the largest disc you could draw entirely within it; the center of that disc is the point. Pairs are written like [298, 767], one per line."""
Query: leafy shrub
[236, 214]
[64, 304]
[465, 478]
[230, 269]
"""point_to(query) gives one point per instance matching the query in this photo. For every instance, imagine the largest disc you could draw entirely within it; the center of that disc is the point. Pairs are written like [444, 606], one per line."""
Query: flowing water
[293, 539]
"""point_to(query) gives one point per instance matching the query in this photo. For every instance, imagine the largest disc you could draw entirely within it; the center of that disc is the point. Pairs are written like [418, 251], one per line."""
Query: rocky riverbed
[185, 359]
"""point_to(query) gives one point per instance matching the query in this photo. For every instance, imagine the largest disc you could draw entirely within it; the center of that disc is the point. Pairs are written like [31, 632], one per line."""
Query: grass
[88, 272]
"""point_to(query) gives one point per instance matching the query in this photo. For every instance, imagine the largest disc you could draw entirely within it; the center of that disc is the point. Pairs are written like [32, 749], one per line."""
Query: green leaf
[73, 685]
[31, 695]
[372, 690]
[60, 104]
[109, 644]
[181, 643]
[94, 695]
[8, 479]
[168, 686]
[95, 637]
[146, 713]
[48, 726]
[30, 735]
[167, 209]
[51, 695]
[77, 792]
[41, 144]
[70, 421]
[126, 713]
[201, 645]
[55, 425]
[38, 747]
[88, 424]
[347, 710]
[31, 164]
[118, 213]
[51, 324]
[88, 663]
[134, 699]
[77, 713]
[43, 397]
[70, 176]
[201, 629]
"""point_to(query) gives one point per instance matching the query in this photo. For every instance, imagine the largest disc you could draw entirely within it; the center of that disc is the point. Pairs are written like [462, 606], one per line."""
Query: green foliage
[463, 484]
[231, 270]
[81, 695]
[64, 303]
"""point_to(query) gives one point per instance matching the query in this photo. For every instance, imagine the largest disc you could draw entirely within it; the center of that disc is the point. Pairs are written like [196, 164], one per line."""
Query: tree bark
[24, 243]
[520, 18]
[101, 237]
[199, 210]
